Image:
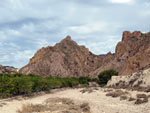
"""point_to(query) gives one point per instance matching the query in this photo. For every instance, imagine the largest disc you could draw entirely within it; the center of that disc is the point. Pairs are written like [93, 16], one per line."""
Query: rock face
[67, 58]
[135, 80]
[7, 69]
[135, 50]
[64, 59]
[131, 55]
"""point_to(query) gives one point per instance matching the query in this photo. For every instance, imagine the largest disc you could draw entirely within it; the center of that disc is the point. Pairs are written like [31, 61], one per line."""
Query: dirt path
[99, 103]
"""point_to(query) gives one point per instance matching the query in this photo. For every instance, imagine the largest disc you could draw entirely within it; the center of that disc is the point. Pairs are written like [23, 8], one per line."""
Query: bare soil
[94, 100]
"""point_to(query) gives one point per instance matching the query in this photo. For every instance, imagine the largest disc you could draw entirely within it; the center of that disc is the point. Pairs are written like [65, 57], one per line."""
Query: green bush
[94, 80]
[84, 80]
[54, 82]
[6, 88]
[39, 83]
[105, 76]
[18, 84]
[24, 85]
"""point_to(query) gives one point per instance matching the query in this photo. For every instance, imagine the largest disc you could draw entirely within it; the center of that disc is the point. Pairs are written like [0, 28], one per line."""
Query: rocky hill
[7, 69]
[64, 59]
[131, 54]
[67, 58]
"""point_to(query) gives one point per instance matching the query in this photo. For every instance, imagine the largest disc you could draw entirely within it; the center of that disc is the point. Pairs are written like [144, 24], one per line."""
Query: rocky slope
[138, 80]
[7, 69]
[64, 59]
[67, 58]
[131, 54]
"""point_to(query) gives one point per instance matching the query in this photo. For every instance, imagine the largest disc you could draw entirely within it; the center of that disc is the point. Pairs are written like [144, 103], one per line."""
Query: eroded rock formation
[131, 55]
[137, 80]
[67, 58]
[64, 59]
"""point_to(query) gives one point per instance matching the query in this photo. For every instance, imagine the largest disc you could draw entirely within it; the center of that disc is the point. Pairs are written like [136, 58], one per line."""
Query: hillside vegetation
[18, 84]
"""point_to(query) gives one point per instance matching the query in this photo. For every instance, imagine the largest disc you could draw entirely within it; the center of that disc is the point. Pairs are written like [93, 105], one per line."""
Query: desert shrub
[18, 84]
[39, 83]
[123, 97]
[57, 82]
[25, 109]
[73, 82]
[87, 90]
[85, 107]
[141, 101]
[23, 85]
[116, 93]
[67, 82]
[141, 96]
[105, 76]
[108, 90]
[84, 80]
[14, 85]
[113, 94]
[147, 89]
[131, 99]
[5, 86]
[53, 82]
[52, 105]
[94, 80]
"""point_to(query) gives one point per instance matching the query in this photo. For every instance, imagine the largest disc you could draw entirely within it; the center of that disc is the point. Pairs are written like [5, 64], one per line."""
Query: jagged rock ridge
[131, 54]
[7, 69]
[67, 58]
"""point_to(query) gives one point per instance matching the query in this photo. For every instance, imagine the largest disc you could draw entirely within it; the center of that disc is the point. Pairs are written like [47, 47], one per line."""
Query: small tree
[105, 76]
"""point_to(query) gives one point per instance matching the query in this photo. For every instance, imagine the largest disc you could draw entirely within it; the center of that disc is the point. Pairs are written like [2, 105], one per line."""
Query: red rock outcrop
[131, 55]
[67, 58]
[64, 59]
[135, 49]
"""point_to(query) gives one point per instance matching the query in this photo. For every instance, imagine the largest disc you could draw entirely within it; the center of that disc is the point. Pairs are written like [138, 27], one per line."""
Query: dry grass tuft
[123, 97]
[58, 105]
[1, 105]
[141, 100]
[148, 96]
[141, 96]
[131, 99]
[25, 109]
[85, 107]
[147, 89]
[116, 93]
[88, 90]
[108, 90]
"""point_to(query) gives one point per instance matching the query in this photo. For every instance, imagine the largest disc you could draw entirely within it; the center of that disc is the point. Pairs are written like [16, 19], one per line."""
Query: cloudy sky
[28, 25]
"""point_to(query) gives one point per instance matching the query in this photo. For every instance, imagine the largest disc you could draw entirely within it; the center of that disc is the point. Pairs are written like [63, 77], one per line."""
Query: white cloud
[16, 3]
[121, 1]
[147, 4]
[14, 32]
[89, 28]
[101, 47]
[144, 13]
[17, 59]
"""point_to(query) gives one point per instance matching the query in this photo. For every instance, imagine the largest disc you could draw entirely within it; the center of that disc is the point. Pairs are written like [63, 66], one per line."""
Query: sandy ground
[99, 103]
